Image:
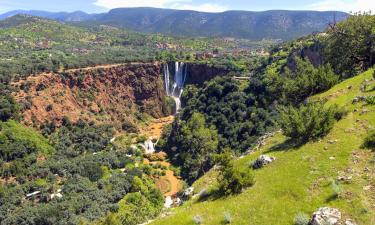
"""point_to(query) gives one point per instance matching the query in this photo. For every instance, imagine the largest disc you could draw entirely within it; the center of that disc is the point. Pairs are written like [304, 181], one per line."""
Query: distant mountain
[76, 16]
[274, 24]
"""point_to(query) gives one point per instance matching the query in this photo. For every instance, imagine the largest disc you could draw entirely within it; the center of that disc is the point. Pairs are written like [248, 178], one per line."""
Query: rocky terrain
[106, 94]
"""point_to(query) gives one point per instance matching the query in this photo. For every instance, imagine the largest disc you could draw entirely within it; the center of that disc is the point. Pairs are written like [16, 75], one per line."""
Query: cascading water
[175, 90]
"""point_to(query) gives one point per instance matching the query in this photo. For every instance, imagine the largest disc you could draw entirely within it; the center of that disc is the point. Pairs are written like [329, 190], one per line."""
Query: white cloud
[344, 5]
[173, 4]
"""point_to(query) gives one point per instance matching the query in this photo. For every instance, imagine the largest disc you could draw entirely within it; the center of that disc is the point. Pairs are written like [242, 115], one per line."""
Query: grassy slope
[300, 179]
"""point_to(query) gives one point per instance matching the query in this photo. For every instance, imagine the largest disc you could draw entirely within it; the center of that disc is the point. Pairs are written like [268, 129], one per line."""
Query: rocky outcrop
[262, 161]
[200, 73]
[326, 216]
[104, 94]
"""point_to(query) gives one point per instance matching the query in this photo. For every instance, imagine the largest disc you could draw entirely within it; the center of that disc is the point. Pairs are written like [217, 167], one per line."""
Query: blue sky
[200, 5]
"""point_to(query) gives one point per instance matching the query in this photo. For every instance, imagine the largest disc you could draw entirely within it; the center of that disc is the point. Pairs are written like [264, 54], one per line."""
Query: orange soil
[155, 130]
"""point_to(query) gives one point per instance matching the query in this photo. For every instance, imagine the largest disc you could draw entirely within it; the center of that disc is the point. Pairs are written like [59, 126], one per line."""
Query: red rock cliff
[104, 94]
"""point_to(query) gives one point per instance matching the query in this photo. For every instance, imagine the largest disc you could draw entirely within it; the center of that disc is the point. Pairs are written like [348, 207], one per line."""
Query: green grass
[24, 134]
[300, 178]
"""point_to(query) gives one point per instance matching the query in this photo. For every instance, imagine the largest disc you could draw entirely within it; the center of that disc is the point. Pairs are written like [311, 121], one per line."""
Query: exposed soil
[108, 94]
[169, 184]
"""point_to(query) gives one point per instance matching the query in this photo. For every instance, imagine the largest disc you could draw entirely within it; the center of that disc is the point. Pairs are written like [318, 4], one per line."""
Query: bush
[227, 218]
[301, 219]
[141, 139]
[9, 108]
[129, 127]
[198, 219]
[336, 189]
[308, 122]
[232, 179]
[370, 140]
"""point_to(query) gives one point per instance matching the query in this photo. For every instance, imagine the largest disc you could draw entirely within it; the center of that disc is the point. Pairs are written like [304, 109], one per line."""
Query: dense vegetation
[241, 113]
[300, 180]
[76, 179]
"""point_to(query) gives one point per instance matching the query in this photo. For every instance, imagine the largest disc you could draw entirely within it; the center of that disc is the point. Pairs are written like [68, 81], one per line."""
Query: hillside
[276, 24]
[300, 178]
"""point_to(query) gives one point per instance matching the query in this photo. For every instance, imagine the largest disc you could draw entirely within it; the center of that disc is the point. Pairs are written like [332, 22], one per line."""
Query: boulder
[326, 216]
[168, 202]
[262, 161]
[350, 222]
[189, 192]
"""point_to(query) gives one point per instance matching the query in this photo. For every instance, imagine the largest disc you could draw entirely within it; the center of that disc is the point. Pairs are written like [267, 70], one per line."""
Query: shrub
[49, 108]
[301, 219]
[336, 189]
[227, 218]
[232, 179]
[141, 139]
[308, 122]
[9, 108]
[129, 127]
[370, 100]
[370, 140]
[198, 219]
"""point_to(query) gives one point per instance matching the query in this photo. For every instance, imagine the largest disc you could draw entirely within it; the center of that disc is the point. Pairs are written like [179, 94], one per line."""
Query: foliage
[350, 44]
[9, 108]
[232, 179]
[227, 218]
[75, 139]
[238, 119]
[197, 219]
[195, 143]
[336, 189]
[17, 142]
[301, 219]
[144, 203]
[370, 140]
[308, 122]
[91, 184]
[292, 86]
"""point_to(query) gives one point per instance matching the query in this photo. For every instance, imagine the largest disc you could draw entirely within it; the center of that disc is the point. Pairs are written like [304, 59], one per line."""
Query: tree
[196, 143]
[9, 108]
[232, 179]
[350, 44]
[307, 122]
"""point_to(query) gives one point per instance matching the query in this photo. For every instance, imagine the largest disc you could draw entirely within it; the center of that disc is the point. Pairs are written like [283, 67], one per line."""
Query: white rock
[262, 161]
[168, 202]
[326, 216]
[350, 222]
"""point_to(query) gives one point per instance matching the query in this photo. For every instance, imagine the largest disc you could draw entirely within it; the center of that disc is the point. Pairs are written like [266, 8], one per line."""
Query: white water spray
[175, 90]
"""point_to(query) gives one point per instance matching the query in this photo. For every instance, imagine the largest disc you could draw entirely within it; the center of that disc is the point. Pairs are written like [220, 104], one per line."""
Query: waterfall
[149, 146]
[175, 90]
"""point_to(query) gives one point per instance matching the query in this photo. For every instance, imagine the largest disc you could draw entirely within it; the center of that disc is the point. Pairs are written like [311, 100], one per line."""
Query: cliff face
[104, 94]
[199, 73]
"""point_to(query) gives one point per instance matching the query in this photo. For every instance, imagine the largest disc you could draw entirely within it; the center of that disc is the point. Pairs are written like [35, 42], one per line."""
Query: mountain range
[274, 24]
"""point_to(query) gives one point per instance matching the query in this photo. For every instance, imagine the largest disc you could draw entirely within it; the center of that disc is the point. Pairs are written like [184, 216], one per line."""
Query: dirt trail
[155, 130]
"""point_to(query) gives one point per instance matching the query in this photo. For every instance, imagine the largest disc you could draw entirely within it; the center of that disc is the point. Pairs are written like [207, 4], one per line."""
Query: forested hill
[276, 24]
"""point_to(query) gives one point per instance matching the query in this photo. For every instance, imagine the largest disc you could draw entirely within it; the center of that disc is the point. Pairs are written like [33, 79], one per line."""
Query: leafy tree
[9, 108]
[307, 122]
[232, 180]
[350, 44]
[195, 143]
